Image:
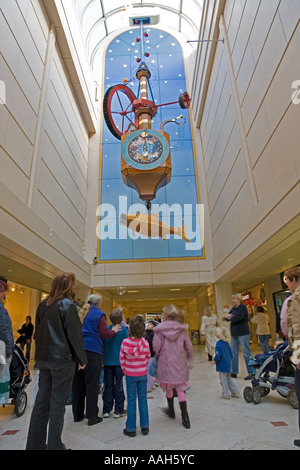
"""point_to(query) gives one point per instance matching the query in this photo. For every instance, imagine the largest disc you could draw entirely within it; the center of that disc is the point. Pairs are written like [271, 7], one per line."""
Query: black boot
[170, 410]
[184, 415]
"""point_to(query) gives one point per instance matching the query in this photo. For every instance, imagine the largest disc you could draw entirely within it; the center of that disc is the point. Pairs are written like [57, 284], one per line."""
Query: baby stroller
[274, 371]
[19, 379]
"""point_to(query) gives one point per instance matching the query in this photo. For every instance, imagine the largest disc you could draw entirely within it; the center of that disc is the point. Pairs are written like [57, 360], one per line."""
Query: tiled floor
[215, 423]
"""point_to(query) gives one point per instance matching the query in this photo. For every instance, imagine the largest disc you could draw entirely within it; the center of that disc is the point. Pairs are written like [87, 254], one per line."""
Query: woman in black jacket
[59, 346]
[240, 335]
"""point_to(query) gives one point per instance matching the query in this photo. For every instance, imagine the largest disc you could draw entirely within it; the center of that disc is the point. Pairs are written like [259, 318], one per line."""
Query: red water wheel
[118, 110]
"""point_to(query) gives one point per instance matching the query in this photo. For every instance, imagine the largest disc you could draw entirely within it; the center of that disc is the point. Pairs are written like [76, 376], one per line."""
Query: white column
[239, 115]
[40, 120]
[222, 295]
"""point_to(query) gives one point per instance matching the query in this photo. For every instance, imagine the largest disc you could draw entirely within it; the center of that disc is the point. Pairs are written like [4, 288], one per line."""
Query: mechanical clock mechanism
[145, 154]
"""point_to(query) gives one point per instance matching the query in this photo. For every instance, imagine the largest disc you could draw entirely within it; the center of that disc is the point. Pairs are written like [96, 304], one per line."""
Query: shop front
[22, 302]
[253, 298]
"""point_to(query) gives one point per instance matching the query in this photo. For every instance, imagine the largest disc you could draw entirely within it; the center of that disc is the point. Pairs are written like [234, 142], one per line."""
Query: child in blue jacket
[222, 360]
[113, 395]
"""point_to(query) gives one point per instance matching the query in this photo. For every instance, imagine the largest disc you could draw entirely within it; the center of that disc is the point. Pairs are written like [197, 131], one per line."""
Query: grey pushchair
[19, 379]
[274, 371]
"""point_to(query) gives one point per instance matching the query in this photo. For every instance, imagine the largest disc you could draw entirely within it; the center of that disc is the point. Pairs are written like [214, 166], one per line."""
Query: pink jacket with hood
[134, 356]
[173, 345]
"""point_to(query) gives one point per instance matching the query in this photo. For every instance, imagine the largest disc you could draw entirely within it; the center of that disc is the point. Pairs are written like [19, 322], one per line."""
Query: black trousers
[85, 388]
[28, 348]
[55, 382]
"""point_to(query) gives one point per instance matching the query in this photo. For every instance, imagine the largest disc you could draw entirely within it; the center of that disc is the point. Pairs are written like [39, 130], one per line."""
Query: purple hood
[173, 345]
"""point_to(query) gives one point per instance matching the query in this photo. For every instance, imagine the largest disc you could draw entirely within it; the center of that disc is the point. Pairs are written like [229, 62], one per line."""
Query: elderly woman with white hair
[86, 382]
[240, 335]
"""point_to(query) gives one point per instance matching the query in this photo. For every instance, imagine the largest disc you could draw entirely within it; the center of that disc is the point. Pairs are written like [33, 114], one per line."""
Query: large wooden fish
[150, 226]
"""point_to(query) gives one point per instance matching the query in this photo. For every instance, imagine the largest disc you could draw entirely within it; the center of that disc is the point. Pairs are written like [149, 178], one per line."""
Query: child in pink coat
[174, 348]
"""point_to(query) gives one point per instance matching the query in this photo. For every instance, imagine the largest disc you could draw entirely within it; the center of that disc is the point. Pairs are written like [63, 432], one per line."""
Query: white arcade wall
[246, 130]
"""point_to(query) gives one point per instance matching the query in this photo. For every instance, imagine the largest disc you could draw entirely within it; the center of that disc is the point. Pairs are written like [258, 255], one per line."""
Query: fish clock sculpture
[145, 155]
[150, 226]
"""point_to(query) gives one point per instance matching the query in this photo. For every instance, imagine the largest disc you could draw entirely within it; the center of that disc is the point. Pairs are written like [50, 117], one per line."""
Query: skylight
[99, 18]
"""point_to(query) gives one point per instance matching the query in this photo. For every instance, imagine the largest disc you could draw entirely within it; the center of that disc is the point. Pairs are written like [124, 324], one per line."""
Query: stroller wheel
[256, 395]
[248, 394]
[264, 391]
[20, 404]
[292, 399]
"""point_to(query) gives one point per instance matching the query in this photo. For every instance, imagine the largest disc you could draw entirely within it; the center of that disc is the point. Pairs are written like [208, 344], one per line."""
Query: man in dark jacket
[240, 335]
[59, 346]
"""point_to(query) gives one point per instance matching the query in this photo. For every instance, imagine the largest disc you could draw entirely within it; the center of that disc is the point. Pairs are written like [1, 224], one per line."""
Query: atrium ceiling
[99, 18]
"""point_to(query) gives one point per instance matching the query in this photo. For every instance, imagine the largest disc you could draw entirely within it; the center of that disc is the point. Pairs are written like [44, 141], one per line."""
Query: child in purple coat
[174, 348]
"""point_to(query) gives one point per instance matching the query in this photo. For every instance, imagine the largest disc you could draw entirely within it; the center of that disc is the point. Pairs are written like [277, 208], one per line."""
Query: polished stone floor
[216, 424]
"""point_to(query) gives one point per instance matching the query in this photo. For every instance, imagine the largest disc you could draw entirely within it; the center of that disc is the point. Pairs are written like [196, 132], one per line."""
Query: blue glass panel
[170, 89]
[150, 248]
[111, 161]
[170, 66]
[121, 46]
[182, 190]
[175, 204]
[112, 250]
[116, 63]
[114, 189]
[183, 160]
